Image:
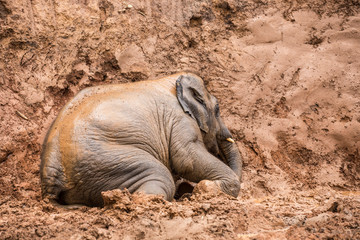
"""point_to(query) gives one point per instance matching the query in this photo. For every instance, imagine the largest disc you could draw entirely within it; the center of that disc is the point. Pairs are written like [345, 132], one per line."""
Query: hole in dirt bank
[229, 22]
[98, 77]
[184, 190]
[5, 154]
[192, 43]
[195, 21]
[281, 110]
[83, 56]
[334, 207]
[6, 33]
[350, 168]
[134, 76]
[227, 13]
[106, 7]
[75, 76]
[4, 11]
[60, 95]
[315, 41]
[224, 6]
[110, 63]
[22, 44]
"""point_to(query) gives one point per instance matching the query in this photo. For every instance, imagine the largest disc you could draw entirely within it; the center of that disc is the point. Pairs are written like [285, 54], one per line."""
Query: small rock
[323, 217]
[188, 212]
[296, 220]
[206, 206]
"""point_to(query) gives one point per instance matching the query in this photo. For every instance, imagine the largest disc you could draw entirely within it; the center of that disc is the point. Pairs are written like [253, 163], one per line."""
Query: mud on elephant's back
[138, 136]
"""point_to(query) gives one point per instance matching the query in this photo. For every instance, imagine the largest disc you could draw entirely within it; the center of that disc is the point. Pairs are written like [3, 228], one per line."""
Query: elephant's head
[196, 101]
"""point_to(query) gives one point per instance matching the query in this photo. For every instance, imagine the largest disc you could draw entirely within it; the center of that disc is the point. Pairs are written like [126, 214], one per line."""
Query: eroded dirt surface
[302, 215]
[286, 74]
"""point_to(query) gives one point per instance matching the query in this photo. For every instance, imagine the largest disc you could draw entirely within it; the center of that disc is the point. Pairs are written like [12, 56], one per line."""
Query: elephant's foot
[155, 187]
[215, 188]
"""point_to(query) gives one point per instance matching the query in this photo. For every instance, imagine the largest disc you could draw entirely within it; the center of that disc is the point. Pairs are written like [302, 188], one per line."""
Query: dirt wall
[286, 74]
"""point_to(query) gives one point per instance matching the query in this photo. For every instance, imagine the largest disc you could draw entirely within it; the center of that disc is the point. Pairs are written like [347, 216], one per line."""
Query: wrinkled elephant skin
[138, 136]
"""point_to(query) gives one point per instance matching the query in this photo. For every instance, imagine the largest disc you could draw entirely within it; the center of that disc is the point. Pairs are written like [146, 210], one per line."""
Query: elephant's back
[82, 120]
[104, 113]
[90, 100]
[128, 94]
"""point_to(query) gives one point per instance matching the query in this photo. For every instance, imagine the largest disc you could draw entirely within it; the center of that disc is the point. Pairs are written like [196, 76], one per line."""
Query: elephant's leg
[154, 187]
[157, 180]
[193, 162]
[136, 170]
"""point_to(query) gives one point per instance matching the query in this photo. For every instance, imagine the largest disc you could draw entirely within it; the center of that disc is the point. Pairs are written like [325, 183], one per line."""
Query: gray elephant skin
[138, 136]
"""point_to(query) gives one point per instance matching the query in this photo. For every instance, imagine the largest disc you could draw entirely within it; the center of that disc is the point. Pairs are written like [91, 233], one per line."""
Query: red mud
[286, 74]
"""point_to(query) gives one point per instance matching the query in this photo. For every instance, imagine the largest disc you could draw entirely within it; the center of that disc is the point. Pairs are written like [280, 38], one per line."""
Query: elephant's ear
[190, 94]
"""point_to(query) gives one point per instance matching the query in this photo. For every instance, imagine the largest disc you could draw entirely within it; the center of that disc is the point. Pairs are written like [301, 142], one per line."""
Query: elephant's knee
[156, 187]
[231, 186]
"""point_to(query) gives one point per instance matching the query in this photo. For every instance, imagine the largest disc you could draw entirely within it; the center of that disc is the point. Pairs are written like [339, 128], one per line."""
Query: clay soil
[287, 76]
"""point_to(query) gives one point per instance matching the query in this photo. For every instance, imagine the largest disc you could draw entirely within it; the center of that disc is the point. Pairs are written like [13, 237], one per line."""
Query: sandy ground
[286, 73]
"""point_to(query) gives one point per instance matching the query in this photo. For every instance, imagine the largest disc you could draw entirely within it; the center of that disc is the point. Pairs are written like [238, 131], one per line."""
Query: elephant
[138, 136]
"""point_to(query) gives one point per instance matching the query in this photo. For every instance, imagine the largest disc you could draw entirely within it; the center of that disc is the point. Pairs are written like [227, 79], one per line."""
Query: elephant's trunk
[229, 152]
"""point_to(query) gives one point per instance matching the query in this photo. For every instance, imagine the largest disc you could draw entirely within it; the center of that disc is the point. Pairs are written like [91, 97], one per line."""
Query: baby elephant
[138, 136]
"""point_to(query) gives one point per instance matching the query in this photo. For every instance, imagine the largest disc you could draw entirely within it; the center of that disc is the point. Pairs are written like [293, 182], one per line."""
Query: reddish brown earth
[286, 73]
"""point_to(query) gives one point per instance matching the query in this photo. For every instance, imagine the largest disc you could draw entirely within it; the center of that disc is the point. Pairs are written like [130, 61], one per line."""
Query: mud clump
[130, 203]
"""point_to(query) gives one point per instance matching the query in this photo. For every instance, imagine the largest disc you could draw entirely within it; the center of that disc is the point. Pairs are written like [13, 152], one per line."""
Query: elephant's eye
[198, 97]
[217, 110]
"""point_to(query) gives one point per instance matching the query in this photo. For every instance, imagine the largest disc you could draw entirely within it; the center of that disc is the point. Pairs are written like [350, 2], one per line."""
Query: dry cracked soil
[287, 76]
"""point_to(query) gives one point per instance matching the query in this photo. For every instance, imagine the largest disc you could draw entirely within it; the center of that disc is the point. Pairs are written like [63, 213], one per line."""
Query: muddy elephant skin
[138, 136]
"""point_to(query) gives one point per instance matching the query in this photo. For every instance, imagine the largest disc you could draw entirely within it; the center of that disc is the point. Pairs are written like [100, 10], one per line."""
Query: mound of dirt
[286, 74]
[304, 215]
